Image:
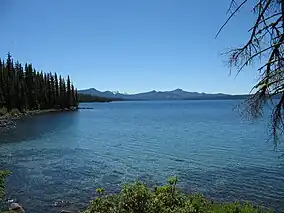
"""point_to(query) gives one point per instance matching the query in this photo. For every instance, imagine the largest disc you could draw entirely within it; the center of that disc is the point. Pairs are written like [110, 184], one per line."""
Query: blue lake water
[59, 159]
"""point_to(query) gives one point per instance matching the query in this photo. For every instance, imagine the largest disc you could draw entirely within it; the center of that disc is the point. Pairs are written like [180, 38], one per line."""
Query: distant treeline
[91, 98]
[24, 88]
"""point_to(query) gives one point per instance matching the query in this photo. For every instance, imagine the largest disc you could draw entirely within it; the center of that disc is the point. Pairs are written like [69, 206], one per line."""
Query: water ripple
[65, 157]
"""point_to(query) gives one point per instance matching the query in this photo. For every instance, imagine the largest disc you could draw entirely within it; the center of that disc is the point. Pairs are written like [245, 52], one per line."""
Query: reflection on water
[34, 127]
[58, 160]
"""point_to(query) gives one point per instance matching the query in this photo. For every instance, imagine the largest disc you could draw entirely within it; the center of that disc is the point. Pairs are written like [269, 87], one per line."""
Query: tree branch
[230, 17]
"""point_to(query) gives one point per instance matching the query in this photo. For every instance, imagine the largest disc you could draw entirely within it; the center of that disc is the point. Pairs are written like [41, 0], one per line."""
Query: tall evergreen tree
[45, 100]
[2, 100]
[56, 84]
[27, 89]
[17, 87]
[64, 94]
[7, 81]
[68, 93]
[30, 86]
[49, 93]
[52, 91]
[61, 93]
[76, 98]
[73, 98]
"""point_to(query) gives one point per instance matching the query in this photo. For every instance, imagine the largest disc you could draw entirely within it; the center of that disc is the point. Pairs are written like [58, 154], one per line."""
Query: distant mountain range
[177, 94]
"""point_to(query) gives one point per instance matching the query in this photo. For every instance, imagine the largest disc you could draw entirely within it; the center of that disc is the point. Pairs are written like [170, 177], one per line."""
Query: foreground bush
[138, 198]
[3, 175]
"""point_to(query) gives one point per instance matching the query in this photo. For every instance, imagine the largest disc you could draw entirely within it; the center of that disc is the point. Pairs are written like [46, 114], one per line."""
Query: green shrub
[15, 112]
[3, 111]
[3, 175]
[138, 198]
[9, 212]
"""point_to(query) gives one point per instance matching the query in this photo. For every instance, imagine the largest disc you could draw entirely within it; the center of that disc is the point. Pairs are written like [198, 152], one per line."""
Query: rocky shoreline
[8, 120]
[17, 208]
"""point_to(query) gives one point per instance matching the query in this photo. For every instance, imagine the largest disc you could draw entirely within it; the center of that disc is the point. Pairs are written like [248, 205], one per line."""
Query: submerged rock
[60, 203]
[17, 208]
[85, 108]
[11, 201]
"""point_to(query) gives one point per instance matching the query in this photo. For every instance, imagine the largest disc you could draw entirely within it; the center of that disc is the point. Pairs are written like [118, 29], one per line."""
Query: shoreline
[8, 119]
[45, 111]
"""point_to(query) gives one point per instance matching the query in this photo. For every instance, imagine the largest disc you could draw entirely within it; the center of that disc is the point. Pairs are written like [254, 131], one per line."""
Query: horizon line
[155, 90]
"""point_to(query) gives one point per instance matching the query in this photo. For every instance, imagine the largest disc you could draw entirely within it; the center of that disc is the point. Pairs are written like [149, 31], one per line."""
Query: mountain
[92, 98]
[177, 94]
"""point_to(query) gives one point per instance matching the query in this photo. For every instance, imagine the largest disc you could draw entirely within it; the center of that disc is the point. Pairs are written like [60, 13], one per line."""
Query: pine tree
[38, 91]
[61, 93]
[7, 81]
[30, 86]
[41, 90]
[76, 98]
[73, 99]
[68, 93]
[45, 92]
[64, 94]
[52, 91]
[17, 87]
[57, 98]
[27, 89]
[49, 95]
[2, 100]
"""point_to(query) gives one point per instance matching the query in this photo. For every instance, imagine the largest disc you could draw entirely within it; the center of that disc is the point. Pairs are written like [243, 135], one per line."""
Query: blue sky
[126, 45]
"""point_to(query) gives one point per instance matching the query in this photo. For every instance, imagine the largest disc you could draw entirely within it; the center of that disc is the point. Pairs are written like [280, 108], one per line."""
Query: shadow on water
[31, 128]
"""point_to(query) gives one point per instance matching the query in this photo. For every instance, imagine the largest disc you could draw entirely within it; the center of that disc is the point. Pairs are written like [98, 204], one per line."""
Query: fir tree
[56, 84]
[27, 89]
[68, 93]
[2, 100]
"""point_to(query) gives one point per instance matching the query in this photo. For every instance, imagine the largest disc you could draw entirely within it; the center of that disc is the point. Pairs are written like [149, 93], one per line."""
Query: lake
[59, 159]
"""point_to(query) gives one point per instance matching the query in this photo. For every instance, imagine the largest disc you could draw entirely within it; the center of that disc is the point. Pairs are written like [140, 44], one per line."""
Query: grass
[138, 198]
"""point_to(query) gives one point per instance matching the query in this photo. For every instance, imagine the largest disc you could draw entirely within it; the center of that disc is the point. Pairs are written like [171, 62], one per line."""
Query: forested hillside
[24, 88]
[90, 98]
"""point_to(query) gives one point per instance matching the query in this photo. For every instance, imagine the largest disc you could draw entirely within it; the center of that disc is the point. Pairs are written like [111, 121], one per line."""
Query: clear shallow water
[59, 159]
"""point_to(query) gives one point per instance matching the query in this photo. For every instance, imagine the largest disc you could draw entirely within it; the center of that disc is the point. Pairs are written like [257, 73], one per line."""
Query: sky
[129, 45]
